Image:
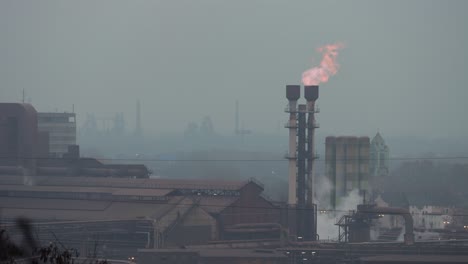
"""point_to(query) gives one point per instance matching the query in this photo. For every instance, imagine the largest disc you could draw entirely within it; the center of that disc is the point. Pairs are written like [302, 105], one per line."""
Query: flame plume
[327, 68]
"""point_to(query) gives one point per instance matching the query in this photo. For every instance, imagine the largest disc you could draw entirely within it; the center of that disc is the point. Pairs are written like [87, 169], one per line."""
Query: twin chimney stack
[301, 158]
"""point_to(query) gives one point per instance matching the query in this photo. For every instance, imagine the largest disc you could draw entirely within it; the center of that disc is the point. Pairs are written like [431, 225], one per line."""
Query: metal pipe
[254, 225]
[409, 234]
[251, 230]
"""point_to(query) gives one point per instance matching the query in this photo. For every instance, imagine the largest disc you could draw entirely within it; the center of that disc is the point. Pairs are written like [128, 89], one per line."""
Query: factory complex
[117, 211]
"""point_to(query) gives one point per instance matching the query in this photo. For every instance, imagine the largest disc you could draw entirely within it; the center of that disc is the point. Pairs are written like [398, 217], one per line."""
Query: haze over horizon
[403, 71]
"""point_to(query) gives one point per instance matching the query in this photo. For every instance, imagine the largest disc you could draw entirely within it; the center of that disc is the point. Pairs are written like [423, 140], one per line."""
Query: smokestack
[292, 94]
[301, 155]
[236, 129]
[301, 191]
[138, 129]
[311, 94]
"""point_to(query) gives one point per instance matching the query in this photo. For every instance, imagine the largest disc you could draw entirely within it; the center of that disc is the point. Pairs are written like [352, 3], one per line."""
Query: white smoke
[326, 217]
[401, 236]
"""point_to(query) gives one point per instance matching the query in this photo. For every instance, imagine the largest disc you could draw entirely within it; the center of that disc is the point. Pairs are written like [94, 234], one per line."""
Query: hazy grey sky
[403, 71]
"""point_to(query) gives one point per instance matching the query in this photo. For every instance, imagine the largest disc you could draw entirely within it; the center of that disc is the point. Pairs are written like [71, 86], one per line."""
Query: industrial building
[347, 166]
[116, 211]
[19, 137]
[116, 208]
[128, 213]
[61, 128]
[24, 149]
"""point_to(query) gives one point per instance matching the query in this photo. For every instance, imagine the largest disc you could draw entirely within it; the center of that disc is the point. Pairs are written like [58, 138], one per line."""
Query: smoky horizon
[401, 69]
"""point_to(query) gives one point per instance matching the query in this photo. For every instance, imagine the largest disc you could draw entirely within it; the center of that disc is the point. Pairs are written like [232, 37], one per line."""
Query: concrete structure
[347, 166]
[379, 157]
[61, 128]
[24, 150]
[20, 141]
[18, 130]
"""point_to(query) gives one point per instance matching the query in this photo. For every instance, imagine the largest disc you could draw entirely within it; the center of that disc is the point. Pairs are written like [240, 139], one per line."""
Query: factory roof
[79, 189]
[43, 209]
[214, 205]
[124, 182]
[52, 198]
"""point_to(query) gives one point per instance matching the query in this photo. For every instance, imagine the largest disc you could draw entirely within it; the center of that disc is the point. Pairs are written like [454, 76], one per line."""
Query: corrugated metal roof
[215, 204]
[39, 209]
[53, 204]
[141, 192]
[79, 189]
[124, 182]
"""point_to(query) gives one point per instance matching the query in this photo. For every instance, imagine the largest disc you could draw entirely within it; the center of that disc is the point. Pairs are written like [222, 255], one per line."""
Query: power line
[234, 160]
[200, 204]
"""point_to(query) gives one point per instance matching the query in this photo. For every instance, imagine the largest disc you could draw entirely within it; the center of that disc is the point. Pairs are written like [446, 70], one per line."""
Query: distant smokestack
[236, 129]
[138, 129]
[293, 93]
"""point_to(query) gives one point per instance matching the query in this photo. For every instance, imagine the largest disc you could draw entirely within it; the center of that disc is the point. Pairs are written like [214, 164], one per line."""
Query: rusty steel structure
[355, 227]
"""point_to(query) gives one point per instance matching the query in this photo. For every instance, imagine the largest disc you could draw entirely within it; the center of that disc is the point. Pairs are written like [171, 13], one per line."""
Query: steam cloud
[326, 227]
[327, 68]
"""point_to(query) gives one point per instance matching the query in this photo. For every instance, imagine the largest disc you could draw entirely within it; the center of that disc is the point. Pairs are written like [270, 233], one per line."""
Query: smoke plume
[327, 68]
[326, 218]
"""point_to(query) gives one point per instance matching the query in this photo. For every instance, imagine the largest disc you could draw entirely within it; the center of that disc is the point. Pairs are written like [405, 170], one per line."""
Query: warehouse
[123, 214]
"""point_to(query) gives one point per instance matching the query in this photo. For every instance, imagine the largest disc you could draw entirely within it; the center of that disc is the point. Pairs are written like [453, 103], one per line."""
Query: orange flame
[328, 66]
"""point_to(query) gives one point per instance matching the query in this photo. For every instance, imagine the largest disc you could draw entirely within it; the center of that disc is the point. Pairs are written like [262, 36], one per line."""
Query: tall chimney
[236, 125]
[292, 94]
[138, 129]
[311, 94]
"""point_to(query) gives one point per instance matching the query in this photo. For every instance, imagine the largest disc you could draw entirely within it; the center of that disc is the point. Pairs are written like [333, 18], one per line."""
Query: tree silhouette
[29, 251]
